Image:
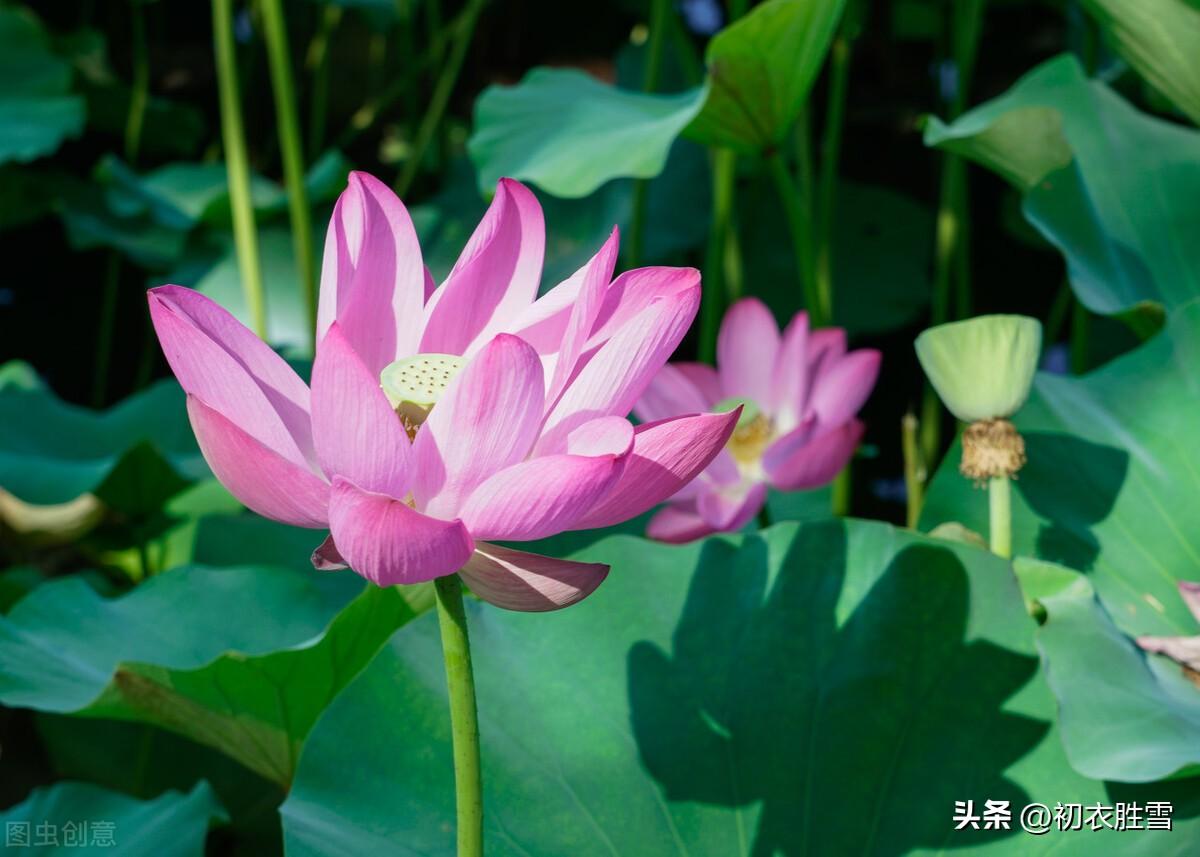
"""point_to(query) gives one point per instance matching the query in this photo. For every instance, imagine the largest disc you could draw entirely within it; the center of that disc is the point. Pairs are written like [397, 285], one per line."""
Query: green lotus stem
[134, 121]
[1000, 515]
[952, 210]
[288, 126]
[712, 301]
[659, 10]
[464, 717]
[839, 74]
[237, 166]
[139, 93]
[317, 61]
[800, 227]
[839, 498]
[914, 470]
[441, 95]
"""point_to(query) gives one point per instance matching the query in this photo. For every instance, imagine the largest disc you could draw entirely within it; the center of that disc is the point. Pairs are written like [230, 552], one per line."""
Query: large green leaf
[1161, 39]
[831, 688]
[1114, 189]
[568, 133]
[1125, 715]
[1112, 480]
[52, 451]
[183, 194]
[760, 70]
[82, 819]
[242, 659]
[36, 110]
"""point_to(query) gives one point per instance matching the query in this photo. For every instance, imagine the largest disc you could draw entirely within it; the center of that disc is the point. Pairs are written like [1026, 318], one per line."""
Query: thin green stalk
[237, 166]
[1000, 515]
[659, 10]
[950, 229]
[134, 121]
[288, 127]
[839, 74]
[712, 303]
[800, 228]
[464, 717]
[914, 470]
[318, 64]
[139, 93]
[441, 95]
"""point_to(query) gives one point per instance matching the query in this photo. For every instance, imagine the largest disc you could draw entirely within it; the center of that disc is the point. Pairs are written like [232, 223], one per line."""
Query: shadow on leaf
[855, 734]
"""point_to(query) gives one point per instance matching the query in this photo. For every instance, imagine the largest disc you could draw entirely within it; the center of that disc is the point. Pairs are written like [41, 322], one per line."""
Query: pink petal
[666, 456]
[826, 343]
[327, 558]
[670, 394]
[217, 359]
[676, 524]
[619, 372]
[486, 420]
[595, 277]
[728, 510]
[632, 292]
[746, 350]
[540, 497]
[516, 580]
[262, 479]
[705, 379]
[372, 276]
[796, 462]
[603, 436]
[388, 542]
[496, 276]
[842, 388]
[789, 388]
[357, 433]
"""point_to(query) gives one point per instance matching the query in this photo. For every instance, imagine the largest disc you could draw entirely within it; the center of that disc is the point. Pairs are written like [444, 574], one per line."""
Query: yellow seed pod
[414, 384]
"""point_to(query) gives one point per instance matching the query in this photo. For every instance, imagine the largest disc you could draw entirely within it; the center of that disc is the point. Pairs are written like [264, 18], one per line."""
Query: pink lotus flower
[441, 418]
[797, 428]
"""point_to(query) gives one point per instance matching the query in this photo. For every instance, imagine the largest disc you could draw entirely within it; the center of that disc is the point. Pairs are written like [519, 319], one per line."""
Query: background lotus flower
[799, 394]
[512, 408]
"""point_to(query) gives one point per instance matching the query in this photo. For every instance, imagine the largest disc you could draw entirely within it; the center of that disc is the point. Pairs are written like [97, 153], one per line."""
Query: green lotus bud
[982, 368]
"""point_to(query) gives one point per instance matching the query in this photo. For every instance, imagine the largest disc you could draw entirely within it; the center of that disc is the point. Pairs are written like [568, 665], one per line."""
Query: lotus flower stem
[1000, 515]
[951, 224]
[134, 120]
[288, 125]
[800, 227]
[441, 95]
[317, 61]
[237, 166]
[464, 717]
[140, 89]
[712, 304]
[659, 10]
[839, 73]
[914, 469]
